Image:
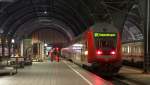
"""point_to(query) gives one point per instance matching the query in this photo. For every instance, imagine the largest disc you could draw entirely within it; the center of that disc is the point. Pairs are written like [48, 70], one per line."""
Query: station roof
[22, 17]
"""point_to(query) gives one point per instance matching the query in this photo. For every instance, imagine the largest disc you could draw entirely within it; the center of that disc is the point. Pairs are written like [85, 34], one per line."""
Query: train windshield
[106, 41]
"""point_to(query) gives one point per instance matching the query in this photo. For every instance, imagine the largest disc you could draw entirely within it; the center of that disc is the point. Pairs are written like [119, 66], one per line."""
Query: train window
[105, 43]
[125, 49]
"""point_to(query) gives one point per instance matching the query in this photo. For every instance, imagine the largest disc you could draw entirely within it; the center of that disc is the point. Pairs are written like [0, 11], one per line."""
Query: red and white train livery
[99, 48]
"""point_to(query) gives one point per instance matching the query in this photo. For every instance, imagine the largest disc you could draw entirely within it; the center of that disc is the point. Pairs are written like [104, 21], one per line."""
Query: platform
[135, 75]
[53, 73]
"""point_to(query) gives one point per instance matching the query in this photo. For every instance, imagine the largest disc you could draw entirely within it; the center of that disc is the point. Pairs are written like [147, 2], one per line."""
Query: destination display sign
[105, 35]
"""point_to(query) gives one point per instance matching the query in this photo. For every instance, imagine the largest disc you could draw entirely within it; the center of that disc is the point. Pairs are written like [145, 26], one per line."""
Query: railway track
[121, 80]
[128, 76]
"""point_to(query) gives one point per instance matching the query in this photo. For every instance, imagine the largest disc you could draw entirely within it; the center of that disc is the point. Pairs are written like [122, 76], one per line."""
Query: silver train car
[133, 54]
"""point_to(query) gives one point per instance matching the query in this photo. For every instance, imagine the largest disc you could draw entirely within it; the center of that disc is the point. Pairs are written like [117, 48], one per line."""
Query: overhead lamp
[45, 12]
[45, 44]
[12, 41]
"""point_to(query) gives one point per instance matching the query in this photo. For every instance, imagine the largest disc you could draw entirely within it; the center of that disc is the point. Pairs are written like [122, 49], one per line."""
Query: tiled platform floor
[52, 73]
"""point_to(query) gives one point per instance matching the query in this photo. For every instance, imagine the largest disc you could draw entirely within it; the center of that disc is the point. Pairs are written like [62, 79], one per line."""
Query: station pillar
[147, 36]
[3, 46]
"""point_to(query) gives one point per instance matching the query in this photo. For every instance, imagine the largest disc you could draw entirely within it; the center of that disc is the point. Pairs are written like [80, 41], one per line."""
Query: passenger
[52, 56]
[57, 58]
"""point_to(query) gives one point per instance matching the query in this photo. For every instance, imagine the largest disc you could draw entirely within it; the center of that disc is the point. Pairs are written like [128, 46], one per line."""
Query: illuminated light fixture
[112, 52]
[45, 44]
[99, 52]
[78, 45]
[12, 41]
[45, 12]
[86, 52]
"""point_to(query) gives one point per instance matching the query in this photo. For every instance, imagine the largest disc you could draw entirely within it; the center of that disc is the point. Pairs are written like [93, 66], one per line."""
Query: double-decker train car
[99, 48]
[133, 53]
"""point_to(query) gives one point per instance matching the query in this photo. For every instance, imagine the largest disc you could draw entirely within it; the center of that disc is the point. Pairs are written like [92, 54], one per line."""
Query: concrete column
[9, 47]
[3, 47]
[42, 50]
[21, 48]
[147, 36]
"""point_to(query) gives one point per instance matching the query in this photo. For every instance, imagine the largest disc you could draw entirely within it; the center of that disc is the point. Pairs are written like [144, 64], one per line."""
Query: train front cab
[104, 52]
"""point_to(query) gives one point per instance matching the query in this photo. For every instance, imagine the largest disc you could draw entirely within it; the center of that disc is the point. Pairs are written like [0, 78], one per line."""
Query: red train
[97, 48]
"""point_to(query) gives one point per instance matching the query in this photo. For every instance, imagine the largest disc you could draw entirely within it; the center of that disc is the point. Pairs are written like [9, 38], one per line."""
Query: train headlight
[86, 52]
[112, 52]
[99, 52]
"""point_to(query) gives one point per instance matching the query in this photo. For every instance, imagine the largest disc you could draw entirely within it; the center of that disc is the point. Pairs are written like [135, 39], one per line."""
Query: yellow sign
[104, 34]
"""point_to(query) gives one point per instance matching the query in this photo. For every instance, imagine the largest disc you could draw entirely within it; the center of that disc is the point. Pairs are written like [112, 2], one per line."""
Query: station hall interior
[74, 42]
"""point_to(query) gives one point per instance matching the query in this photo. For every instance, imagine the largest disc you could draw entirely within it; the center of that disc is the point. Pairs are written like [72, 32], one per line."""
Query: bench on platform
[7, 69]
